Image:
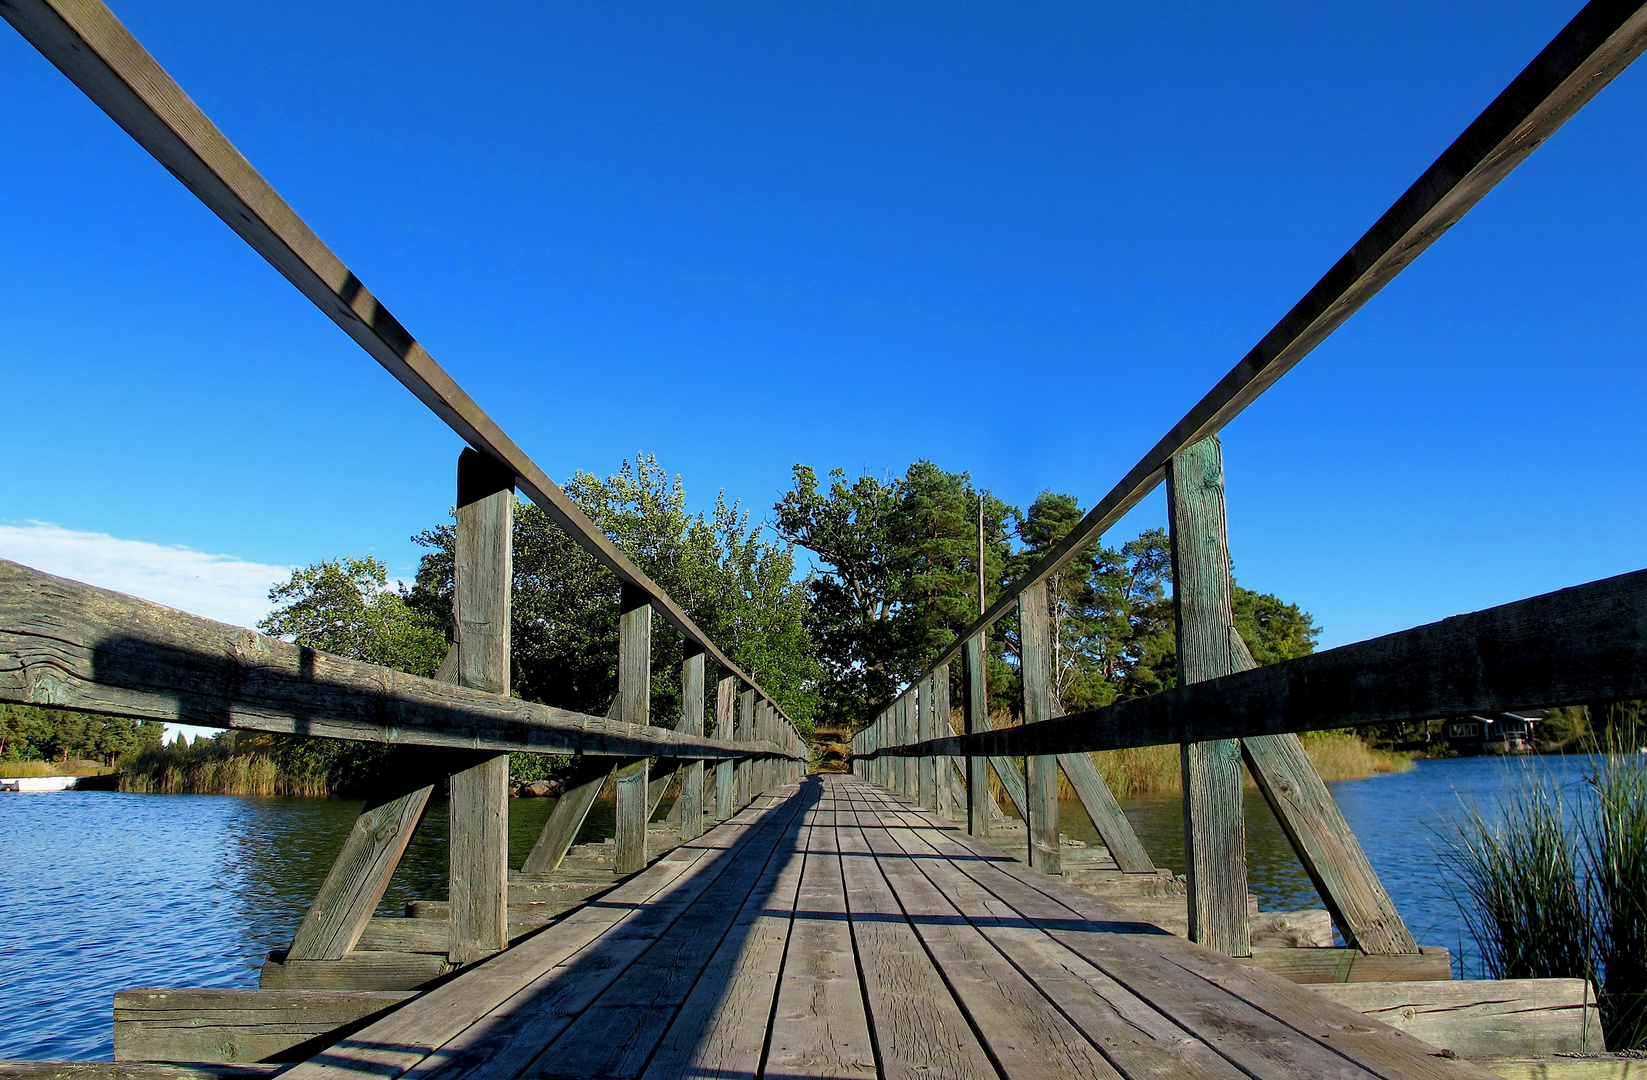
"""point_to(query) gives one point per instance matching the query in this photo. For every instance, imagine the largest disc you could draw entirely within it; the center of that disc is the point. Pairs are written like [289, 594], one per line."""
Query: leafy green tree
[31, 733]
[897, 574]
[346, 607]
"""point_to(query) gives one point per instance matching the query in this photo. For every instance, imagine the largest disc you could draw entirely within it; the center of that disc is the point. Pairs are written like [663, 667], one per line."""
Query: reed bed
[1552, 890]
[209, 769]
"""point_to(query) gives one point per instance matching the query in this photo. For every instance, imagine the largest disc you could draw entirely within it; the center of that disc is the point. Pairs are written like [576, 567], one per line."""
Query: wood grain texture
[726, 699]
[1353, 965]
[234, 1026]
[358, 878]
[633, 808]
[975, 709]
[920, 1031]
[1040, 771]
[379, 970]
[746, 733]
[689, 805]
[483, 579]
[819, 1025]
[943, 767]
[1215, 833]
[567, 818]
[402, 1040]
[1600, 41]
[69, 645]
[1106, 814]
[1483, 1016]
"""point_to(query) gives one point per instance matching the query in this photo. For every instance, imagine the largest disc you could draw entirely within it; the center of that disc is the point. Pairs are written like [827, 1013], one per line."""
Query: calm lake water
[106, 891]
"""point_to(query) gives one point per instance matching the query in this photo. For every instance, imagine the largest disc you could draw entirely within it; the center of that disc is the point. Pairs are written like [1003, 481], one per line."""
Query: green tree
[346, 607]
[896, 578]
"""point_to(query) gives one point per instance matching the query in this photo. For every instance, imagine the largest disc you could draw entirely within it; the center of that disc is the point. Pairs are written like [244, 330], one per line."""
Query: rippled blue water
[106, 891]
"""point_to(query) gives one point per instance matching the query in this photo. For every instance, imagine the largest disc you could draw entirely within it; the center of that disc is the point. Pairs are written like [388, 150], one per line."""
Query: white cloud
[219, 587]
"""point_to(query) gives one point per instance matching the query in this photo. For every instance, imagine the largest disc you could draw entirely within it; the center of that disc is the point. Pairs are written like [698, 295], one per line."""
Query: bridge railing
[1577, 645]
[66, 644]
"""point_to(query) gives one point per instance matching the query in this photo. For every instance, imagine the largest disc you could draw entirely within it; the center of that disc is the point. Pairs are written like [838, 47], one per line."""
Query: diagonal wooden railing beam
[99, 55]
[69, 645]
[1601, 41]
[1570, 647]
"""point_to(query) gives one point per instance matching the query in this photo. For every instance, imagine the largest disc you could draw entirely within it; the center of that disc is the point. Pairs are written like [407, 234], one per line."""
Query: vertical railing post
[904, 768]
[943, 765]
[1040, 771]
[692, 691]
[483, 573]
[920, 700]
[975, 707]
[726, 723]
[746, 733]
[1215, 838]
[634, 707]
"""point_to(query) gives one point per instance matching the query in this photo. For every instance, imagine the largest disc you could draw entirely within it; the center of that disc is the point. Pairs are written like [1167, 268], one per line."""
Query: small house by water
[1494, 733]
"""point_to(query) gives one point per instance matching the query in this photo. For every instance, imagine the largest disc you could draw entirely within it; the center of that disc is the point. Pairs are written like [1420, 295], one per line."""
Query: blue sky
[1016, 240]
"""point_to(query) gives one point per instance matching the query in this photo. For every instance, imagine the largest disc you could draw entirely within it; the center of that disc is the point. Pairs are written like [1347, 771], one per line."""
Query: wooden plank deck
[833, 930]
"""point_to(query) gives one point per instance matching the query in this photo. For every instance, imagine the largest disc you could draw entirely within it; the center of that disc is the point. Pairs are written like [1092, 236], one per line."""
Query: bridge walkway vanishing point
[832, 930]
[837, 926]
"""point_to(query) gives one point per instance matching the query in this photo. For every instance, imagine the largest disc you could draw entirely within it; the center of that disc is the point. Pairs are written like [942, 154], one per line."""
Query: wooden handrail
[70, 645]
[1582, 644]
[1600, 41]
[99, 55]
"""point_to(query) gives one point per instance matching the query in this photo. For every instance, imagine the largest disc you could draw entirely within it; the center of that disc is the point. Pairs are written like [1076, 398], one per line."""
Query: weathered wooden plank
[819, 1026]
[1600, 41]
[1139, 1040]
[400, 1041]
[1234, 1008]
[1586, 643]
[726, 698]
[1025, 1037]
[690, 802]
[357, 971]
[943, 768]
[633, 809]
[1215, 831]
[1329, 851]
[1483, 1016]
[617, 1033]
[233, 1026]
[359, 876]
[920, 1031]
[1040, 771]
[483, 578]
[1353, 965]
[1106, 814]
[516, 1035]
[745, 733]
[975, 706]
[70, 645]
[567, 818]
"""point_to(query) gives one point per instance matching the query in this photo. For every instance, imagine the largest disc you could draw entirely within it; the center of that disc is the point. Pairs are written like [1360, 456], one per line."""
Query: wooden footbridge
[781, 924]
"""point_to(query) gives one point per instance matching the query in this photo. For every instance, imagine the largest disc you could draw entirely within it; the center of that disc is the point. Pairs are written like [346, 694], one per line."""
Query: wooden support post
[1040, 771]
[360, 875]
[1215, 835]
[726, 704]
[483, 575]
[570, 812]
[920, 702]
[634, 707]
[975, 706]
[1106, 814]
[901, 716]
[746, 733]
[943, 767]
[692, 691]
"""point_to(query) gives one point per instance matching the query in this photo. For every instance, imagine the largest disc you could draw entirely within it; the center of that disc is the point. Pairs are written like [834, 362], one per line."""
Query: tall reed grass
[208, 768]
[1549, 890]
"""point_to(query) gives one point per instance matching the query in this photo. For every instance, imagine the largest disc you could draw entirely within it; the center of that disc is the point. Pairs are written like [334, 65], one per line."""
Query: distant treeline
[30, 733]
